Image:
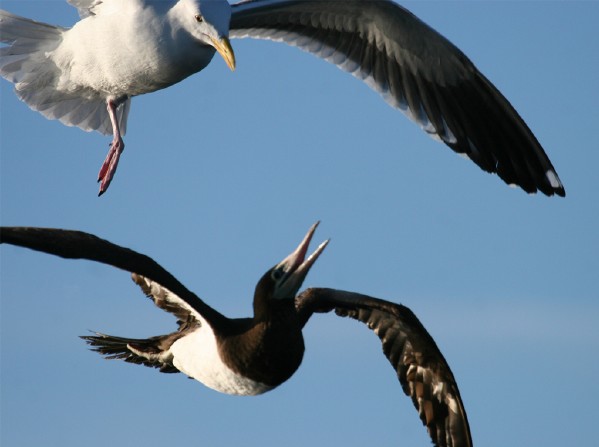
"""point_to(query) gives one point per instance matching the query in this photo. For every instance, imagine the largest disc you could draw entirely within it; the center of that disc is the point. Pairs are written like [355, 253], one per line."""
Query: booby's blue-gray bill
[248, 356]
[67, 75]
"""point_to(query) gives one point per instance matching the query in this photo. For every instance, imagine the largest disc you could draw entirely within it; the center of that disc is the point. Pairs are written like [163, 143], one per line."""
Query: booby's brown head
[284, 280]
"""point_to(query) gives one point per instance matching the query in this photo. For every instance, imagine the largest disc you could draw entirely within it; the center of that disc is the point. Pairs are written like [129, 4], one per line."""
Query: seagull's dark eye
[277, 274]
[199, 18]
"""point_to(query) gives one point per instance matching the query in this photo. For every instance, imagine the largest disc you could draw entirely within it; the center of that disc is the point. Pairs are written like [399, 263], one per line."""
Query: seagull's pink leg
[116, 147]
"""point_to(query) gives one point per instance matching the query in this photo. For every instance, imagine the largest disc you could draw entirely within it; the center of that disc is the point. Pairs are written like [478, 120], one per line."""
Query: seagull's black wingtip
[554, 186]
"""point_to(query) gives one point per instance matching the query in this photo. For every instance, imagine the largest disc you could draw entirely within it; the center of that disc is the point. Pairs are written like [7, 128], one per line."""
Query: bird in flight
[85, 76]
[250, 356]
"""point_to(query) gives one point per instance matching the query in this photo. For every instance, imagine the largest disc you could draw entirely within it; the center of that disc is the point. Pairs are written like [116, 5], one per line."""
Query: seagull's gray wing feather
[25, 63]
[416, 70]
[86, 7]
[421, 368]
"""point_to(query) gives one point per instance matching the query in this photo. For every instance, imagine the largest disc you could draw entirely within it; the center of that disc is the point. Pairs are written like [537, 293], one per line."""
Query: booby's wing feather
[154, 351]
[79, 245]
[422, 370]
[416, 70]
[187, 318]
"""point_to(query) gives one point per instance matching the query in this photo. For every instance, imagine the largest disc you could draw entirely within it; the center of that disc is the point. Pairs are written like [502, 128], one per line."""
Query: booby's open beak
[223, 46]
[296, 266]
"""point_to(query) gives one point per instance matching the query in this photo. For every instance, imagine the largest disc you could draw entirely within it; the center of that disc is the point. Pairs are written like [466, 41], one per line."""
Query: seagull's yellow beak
[223, 46]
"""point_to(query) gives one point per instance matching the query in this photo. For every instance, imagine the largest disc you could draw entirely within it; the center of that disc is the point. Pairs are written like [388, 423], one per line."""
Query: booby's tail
[152, 352]
[26, 61]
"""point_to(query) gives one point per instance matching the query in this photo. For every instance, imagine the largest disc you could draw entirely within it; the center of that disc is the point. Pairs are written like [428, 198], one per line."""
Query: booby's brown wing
[422, 370]
[154, 351]
[79, 245]
[169, 302]
[416, 70]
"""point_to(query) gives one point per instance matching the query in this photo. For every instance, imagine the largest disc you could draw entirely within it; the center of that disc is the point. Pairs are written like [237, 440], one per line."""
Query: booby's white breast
[197, 356]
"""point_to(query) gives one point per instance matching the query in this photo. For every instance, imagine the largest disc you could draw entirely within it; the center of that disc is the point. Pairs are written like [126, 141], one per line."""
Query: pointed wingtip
[556, 184]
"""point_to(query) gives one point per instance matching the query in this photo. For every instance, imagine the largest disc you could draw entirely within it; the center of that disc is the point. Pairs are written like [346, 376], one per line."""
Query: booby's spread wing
[416, 70]
[166, 300]
[422, 370]
[154, 351]
[79, 245]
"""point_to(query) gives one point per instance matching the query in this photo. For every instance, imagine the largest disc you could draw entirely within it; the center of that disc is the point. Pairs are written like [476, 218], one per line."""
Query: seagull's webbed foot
[110, 164]
[116, 148]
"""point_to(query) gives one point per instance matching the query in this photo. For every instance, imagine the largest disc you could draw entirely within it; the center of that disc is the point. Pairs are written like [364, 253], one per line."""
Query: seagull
[250, 356]
[85, 76]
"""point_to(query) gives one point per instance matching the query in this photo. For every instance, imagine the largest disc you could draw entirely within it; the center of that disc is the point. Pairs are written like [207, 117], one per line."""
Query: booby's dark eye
[277, 274]
[199, 18]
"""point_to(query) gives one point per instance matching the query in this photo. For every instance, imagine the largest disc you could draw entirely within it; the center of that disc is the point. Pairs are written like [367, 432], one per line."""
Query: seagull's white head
[208, 21]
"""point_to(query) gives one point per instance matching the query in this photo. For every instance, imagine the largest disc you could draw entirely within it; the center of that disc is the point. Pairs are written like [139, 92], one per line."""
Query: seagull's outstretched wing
[416, 70]
[24, 62]
[79, 245]
[86, 7]
[422, 370]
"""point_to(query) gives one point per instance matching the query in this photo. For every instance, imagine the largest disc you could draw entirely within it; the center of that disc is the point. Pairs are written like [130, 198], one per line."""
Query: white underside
[120, 49]
[197, 356]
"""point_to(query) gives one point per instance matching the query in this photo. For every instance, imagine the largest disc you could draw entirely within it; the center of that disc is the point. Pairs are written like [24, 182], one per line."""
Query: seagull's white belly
[103, 57]
[197, 356]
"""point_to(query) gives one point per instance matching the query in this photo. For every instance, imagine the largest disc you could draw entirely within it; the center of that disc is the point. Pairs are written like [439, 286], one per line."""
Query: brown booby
[249, 356]
[85, 76]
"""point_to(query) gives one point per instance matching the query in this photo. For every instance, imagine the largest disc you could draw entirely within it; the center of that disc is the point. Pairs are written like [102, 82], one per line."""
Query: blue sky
[221, 178]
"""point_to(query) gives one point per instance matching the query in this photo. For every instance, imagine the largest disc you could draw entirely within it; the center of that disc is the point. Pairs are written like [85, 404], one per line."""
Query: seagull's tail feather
[25, 62]
[152, 352]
